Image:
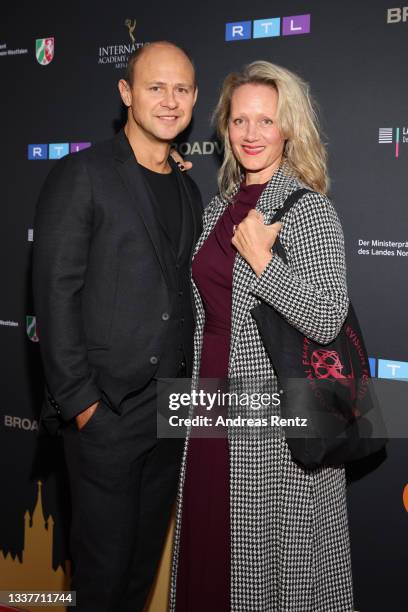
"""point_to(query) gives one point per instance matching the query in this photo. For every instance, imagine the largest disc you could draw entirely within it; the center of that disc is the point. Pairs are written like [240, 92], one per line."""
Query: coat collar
[275, 193]
[122, 150]
[272, 198]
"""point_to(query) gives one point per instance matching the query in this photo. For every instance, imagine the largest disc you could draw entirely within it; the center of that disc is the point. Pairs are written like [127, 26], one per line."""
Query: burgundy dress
[203, 580]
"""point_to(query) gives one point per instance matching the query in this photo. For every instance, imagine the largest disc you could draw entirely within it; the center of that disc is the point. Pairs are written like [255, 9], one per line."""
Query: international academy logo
[118, 53]
[396, 136]
[44, 50]
[31, 327]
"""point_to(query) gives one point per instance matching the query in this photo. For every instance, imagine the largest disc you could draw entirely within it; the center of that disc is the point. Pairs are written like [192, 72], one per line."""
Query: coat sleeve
[310, 291]
[62, 236]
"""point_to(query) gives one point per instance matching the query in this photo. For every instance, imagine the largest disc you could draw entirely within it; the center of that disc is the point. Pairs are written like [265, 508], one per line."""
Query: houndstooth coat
[289, 528]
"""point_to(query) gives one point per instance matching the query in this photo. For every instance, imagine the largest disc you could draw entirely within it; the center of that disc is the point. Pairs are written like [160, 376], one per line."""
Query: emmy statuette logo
[131, 25]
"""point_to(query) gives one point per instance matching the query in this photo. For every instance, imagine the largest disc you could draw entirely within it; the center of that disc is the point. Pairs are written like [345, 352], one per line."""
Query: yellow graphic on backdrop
[35, 571]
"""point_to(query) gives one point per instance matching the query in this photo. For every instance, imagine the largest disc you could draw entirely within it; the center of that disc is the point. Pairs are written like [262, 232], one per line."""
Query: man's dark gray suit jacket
[100, 278]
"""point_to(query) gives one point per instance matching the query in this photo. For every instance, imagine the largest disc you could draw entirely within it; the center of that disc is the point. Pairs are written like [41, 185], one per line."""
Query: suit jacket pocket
[98, 418]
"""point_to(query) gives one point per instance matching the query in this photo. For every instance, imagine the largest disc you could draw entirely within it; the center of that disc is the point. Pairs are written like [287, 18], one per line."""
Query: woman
[254, 530]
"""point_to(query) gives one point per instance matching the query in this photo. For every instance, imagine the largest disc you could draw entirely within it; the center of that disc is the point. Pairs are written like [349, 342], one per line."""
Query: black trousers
[123, 484]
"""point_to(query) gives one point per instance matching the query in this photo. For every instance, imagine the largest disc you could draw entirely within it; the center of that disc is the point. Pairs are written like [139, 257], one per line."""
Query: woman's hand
[182, 164]
[254, 240]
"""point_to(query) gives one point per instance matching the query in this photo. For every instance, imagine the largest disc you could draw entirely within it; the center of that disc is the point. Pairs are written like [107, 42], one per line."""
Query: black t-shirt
[167, 195]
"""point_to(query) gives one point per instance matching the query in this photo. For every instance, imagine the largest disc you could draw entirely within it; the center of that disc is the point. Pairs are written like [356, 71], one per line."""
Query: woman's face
[255, 139]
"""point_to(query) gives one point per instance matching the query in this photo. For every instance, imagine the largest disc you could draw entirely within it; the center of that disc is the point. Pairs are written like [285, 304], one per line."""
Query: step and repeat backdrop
[59, 64]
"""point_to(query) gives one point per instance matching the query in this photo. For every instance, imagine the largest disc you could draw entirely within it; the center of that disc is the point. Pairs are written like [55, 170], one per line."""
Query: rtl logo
[267, 28]
[394, 370]
[55, 150]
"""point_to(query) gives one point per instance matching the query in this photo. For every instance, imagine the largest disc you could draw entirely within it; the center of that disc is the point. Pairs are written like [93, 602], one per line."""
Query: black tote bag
[326, 391]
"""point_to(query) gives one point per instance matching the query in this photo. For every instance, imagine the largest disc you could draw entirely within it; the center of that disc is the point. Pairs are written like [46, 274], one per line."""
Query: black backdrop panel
[356, 63]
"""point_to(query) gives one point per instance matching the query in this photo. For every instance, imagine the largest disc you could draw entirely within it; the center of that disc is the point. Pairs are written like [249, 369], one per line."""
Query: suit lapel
[271, 199]
[128, 169]
[189, 210]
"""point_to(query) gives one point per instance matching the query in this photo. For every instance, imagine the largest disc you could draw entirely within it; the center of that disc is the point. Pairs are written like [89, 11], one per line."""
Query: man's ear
[195, 94]
[125, 92]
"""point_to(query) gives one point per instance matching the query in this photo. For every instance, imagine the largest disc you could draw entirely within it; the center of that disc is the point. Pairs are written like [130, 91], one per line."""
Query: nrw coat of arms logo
[31, 326]
[44, 50]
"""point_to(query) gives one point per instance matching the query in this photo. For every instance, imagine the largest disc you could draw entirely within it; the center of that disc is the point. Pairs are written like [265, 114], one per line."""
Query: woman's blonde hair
[304, 153]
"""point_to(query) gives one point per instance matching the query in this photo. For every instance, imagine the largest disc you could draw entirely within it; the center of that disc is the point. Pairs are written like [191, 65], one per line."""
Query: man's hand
[254, 240]
[83, 417]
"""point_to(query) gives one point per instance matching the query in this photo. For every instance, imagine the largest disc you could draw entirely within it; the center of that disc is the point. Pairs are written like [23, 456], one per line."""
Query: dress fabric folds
[204, 564]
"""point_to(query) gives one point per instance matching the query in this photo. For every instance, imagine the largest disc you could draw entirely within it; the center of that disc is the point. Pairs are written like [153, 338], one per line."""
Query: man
[114, 233]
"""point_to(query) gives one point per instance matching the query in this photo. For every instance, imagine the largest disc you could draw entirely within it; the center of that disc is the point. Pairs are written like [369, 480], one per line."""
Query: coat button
[165, 316]
[153, 359]
[180, 293]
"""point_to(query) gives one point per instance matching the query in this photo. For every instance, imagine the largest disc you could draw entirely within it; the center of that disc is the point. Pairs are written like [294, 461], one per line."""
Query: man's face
[163, 93]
